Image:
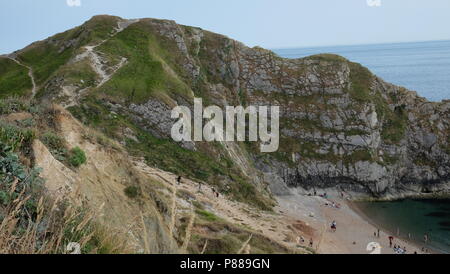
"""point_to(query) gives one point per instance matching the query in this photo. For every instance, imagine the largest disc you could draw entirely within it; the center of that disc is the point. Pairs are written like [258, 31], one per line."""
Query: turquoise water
[415, 217]
[421, 66]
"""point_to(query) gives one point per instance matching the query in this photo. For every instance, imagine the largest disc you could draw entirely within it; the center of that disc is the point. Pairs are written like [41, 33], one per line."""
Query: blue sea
[412, 219]
[420, 66]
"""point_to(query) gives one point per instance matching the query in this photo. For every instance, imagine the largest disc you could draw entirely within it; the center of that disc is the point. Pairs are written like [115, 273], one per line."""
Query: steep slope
[342, 127]
[132, 200]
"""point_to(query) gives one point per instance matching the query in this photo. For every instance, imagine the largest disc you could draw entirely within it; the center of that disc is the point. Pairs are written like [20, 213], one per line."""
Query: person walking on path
[179, 180]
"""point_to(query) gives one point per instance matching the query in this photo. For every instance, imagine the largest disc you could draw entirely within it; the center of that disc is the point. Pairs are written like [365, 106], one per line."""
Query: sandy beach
[354, 232]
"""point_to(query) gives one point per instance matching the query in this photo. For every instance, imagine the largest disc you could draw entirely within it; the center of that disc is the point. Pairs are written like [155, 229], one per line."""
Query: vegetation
[77, 157]
[14, 79]
[226, 238]
[56, 145]
[360, 78]
[13, 104]
[169, 156]
[46, 57]
[16, 138]
[131, 191]
[30, 223]
[148, 69]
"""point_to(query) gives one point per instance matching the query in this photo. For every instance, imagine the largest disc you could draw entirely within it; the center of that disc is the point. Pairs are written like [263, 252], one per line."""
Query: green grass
[360, 78]
[327, 57]
[206, 215]
[148, 71]
[47, 57]
[80, 74]
[14, 79]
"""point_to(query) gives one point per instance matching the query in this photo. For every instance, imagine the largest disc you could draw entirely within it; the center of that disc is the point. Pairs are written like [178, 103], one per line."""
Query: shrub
[15, 137]
[77, 157]
[55, 144]
[13, 104]
[36, 224]
[131, 191]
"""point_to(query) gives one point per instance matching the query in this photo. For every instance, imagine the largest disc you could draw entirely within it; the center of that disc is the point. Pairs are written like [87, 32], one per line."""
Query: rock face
[341, 127]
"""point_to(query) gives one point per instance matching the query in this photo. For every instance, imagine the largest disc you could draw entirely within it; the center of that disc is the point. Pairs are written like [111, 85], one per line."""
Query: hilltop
[108, 87]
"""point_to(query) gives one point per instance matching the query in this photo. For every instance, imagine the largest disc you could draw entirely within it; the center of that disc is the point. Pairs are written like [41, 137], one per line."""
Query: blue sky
[267, 23]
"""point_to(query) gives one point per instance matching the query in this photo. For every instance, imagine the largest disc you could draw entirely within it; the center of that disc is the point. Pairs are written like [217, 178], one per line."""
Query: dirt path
[30, 74]
[275, 226]
[97, 63]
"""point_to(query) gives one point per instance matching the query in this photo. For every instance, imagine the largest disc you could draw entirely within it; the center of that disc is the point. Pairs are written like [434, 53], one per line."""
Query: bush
[15, 137]
[13, 104]
[77, 157]
[55, 144]
[131, 191]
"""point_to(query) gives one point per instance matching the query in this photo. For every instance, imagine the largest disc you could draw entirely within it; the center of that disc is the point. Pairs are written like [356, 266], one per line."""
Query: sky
[266, 23]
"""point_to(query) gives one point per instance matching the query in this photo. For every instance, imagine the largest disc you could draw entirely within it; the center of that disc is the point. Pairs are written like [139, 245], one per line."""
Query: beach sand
[354, 232]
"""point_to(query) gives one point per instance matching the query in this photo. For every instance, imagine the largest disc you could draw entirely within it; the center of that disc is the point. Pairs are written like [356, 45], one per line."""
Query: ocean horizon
[422, 66]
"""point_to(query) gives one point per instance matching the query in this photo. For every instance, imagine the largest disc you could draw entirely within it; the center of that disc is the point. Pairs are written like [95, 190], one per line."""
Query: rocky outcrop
[342, 128]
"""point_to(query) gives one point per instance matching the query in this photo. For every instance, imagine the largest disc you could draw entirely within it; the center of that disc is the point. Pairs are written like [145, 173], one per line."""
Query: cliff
[342, 128]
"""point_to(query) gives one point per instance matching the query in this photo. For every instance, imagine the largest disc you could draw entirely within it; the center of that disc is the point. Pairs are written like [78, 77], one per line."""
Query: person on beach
[425, 238]
[333, 226]
[391, 239]
[378, 233]
[311, 242]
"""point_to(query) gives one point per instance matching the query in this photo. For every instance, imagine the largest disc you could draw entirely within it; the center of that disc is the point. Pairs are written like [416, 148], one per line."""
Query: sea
[423, 67]
[412, 219]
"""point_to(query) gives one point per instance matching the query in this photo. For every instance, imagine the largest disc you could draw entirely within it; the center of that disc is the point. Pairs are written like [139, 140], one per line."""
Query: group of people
[333, 204]
[399, 250]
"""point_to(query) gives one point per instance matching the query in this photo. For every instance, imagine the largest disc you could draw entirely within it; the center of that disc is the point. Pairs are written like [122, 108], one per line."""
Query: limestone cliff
[342, 127]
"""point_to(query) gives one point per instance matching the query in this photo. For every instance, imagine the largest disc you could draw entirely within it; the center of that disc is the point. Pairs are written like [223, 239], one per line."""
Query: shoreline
[354, 233]
[417, 243]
